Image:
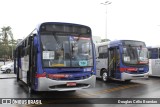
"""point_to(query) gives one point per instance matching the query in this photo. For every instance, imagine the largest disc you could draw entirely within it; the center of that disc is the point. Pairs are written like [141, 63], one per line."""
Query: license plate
[71, 84]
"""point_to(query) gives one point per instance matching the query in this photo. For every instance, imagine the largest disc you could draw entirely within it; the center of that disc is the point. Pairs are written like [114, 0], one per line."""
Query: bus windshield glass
[135, 54]
[66, 50]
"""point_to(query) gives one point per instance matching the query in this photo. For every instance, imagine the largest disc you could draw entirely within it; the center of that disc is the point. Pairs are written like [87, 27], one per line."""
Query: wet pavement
[145, 88]
[7, 76]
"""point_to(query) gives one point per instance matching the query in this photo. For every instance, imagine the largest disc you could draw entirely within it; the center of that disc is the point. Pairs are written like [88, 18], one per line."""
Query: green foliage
[7, 45]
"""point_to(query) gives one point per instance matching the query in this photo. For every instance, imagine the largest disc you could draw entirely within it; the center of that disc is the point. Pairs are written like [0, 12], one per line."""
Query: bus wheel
[105, 76]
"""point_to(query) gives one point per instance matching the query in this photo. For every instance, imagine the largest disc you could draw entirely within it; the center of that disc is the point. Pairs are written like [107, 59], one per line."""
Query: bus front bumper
[127, 76]
[46, 84]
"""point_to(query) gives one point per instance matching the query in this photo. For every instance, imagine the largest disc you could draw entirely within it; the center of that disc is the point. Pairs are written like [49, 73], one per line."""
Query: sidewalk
[7, 76]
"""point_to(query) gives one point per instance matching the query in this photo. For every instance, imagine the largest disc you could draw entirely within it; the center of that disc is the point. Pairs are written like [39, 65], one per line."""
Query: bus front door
[114, 63]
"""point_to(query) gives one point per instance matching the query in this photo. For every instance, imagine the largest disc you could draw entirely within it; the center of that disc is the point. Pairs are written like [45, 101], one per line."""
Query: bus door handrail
[112, 63]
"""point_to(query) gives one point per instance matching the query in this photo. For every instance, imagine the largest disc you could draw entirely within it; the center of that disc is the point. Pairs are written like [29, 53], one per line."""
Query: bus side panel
[118, 74]
[155, 67]
[101, 58]
[101, 64]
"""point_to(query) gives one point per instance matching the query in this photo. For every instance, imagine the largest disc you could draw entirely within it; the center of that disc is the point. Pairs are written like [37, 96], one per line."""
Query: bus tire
[105, 75]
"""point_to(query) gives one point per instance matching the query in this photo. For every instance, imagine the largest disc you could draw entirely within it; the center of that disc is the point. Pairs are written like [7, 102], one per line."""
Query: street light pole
[106, 3]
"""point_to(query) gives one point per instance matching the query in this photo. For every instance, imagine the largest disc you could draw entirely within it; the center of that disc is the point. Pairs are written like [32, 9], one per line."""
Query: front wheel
[8, 71]
[105, 76]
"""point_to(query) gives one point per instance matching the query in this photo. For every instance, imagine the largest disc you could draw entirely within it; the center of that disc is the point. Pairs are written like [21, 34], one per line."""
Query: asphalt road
[95, 97]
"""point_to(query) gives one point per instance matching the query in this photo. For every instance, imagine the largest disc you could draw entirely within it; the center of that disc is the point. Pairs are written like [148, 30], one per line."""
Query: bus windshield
[135, 55]
[66, 51]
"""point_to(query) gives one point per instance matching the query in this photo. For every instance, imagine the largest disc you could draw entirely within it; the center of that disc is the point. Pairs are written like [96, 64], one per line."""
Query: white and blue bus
[154, 61]
[56, 56]
[122, 60]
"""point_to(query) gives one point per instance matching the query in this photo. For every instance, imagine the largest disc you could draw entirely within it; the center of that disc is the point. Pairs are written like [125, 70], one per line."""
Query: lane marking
[110, 90]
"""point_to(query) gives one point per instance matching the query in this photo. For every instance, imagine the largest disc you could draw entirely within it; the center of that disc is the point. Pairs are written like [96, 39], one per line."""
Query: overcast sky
[126, 19]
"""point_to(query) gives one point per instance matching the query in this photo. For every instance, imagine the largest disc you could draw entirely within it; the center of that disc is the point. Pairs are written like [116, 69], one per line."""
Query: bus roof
[60, 23]
[119, 42]
[101, 43]
[39, 25]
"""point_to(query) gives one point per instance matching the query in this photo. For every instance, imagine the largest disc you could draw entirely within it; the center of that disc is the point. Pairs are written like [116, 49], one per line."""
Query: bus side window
[102, 50]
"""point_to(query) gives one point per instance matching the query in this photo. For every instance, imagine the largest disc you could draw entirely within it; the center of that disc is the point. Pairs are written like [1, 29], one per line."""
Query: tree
[6, 45]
